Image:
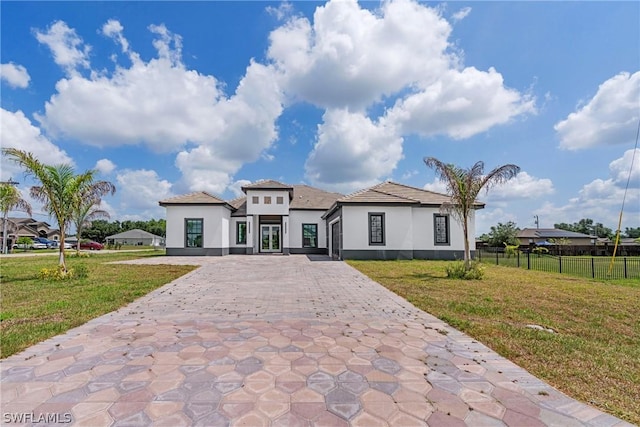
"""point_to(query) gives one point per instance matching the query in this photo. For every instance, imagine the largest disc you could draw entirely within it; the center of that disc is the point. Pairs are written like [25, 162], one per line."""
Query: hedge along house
[386, 221]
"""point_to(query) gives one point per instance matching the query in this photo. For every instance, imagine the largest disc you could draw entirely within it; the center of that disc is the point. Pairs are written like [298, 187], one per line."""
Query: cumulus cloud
[351, 59]
[236, 187]
[610, 117]
[105, 166]
[460, 104]
[601, 199]
[352, 152]
[14, 75]
[18, 132]
[523, 186]
[68, 49]
[140, 190]
[168, 107]
[621, 170]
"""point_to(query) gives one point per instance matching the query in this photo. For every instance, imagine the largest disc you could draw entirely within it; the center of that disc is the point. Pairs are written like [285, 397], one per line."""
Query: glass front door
[270, 238]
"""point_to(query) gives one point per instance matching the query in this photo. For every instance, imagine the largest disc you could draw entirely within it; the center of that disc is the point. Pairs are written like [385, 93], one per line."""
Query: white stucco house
[386, 221]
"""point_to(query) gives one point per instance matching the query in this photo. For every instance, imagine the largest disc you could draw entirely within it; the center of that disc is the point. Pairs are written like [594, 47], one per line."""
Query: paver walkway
[275, 341]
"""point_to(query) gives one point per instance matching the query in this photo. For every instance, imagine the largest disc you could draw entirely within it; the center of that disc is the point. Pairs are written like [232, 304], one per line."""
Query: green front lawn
[595, 354]
[32, 310]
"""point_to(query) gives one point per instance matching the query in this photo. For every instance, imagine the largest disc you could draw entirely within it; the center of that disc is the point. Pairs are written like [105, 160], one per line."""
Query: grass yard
[32, 310]
[595, 355]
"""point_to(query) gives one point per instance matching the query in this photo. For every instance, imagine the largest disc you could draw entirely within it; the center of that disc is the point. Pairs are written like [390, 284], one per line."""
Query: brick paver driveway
[280, 341]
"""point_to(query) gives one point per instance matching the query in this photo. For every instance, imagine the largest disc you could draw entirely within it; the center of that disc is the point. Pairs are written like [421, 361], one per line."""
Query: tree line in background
[506, 234]
[101, 229]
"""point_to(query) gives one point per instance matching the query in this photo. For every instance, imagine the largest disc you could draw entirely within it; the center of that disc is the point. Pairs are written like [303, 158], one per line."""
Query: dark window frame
[372, 241]
[238, 241]
[255, 200]
[447, 225]
[279, 200]
[187, 233]
[266, 200]
[315, 237]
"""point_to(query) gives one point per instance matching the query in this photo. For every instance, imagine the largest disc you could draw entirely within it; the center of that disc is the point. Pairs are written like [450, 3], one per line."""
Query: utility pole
[537, 221]
[5, 213]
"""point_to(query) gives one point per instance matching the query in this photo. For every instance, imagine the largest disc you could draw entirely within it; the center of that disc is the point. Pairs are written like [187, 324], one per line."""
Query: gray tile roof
[304, 198]
[136, 233]
[549, 233]
[392, 192]
[197, 198]
[267, 184]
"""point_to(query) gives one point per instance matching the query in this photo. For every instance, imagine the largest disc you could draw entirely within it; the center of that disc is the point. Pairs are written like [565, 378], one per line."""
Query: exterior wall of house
[424, 244]
[271, 209]
[237, 248]
[299, 217]
[215, 228]
[398, 233]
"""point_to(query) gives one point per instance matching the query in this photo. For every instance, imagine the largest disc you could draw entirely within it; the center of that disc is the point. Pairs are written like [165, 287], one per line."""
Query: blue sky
[165, 98]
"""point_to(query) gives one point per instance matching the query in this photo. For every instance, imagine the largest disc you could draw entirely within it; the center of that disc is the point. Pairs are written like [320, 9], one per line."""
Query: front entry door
[270, 238]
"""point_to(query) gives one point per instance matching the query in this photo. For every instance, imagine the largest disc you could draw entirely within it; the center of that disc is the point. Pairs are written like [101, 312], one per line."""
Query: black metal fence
[583, 266]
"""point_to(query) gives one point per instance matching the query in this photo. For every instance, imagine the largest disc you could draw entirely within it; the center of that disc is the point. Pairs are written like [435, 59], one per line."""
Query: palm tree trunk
[61, 262]
[4, 232]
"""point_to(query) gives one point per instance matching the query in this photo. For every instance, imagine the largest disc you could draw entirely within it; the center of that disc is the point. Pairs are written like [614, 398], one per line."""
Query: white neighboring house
[386, 221]
[136, 237]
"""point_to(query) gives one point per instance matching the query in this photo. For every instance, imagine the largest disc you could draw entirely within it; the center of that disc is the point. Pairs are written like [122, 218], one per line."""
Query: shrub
[56, 273]
[539, 250]
[456, 270]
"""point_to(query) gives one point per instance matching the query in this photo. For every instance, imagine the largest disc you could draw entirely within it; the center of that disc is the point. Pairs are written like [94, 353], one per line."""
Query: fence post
[625, 267]
[518, 262]
[497, 263]
[560, 263]
[593, 269]
[528, 261]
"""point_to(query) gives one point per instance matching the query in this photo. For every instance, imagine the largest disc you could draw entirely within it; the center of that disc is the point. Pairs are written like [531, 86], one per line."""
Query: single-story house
[135, 237]
[562, 241]
[386, 221]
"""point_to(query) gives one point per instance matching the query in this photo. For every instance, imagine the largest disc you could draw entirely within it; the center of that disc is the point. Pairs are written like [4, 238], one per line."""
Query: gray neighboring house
[135, 237]
[386, 221]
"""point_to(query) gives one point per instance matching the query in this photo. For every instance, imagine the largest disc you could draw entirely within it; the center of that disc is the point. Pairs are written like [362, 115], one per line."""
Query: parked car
[56, 244]
[32, 245]
[44, 241]
[92, 246]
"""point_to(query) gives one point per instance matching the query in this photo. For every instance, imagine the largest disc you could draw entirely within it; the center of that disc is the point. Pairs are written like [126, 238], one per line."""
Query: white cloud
[460, 104]
[351, 57]
[523, 186]
[485, 218]
[621, 171]
[18, 132]
[140, 190]
[601, 199]
[15, 75]
[609, 118]
[284, 10]
[68, 49]
[352, 152]
[168, 107]
[461, 14]
[236, 187]
[105, 166]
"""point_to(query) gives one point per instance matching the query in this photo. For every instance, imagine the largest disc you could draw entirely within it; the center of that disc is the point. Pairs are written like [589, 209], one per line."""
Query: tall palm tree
[464, 185]
[10, 199]
[60, 189]
[86, 212]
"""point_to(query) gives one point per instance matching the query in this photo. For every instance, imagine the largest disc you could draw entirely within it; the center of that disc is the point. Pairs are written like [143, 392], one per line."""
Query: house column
[285, 234]
[251, 232]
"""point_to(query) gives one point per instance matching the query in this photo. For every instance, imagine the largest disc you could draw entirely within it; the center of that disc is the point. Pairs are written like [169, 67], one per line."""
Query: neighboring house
[386, 221]
[561, 241]
[27, 227]
[135, 237]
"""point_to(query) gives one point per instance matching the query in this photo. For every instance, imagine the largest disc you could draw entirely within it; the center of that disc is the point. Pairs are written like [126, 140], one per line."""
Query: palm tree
[86, 212]
[60, 189]
[464, 185]
[10, 199]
